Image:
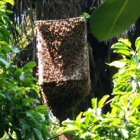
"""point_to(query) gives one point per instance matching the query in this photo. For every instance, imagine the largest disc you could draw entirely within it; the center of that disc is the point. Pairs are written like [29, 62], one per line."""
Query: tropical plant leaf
[69, 122]
[137, 44]
[113, 17]
[72, 126]
[28, 81]
[14, 49]
[85, 15]
[135, 103]
[10, 1]
[125, 41]
[45, 134]
[78, 118]
[124, 133]
[22, 76]
[117, 64]
[123, 52]
[94, 103]
[18, 72]
[30, 65]
[119, 46]
[116, 107]
[4, 61]
[37, 134]
[25, 127]
[87, 119]
[102, 101]
[71, 130]
[28, 101]
[35, 117]
[41, 107]
[5, 33]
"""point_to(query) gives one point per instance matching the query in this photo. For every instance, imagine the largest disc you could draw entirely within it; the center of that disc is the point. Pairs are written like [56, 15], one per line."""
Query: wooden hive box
[63, 63]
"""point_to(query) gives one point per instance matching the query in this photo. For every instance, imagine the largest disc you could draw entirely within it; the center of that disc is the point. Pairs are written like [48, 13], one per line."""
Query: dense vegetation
[22, 115]
[123, 121]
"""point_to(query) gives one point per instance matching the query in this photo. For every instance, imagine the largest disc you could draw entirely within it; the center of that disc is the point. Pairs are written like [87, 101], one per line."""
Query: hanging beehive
[63, 63]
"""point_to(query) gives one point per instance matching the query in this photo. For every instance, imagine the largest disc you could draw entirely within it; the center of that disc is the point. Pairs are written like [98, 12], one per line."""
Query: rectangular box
[63, 62]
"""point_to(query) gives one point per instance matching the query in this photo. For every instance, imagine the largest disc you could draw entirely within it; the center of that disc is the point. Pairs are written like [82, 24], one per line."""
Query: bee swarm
[63, 63]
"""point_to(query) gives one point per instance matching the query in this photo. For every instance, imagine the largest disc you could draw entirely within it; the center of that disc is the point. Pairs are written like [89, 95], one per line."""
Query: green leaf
[5, 33]
[116, 107]
[128, 61]
[135, 59]
[40, 107]
[29, 65]
[14, 49]
[113, 17]
[10, 1]
[137, 44]
[119, 46]
[37, 133]
[71, 130]
[3, 43]
[118, 93]
[78, 118]
[2, 95]
[4, 61]
[28, 101]
[28, 81]
[123, 51]
[135, 103]
[45, 134]
[85, 15]
[18, 72]
[69, 122]
[22, 76]
[87, 118]
[124, 133]
[34, 118]
[25, 127]
[102, 101]
[125, 41]
[117, 64]
[70, 126]
[133, 120]
[94, 103]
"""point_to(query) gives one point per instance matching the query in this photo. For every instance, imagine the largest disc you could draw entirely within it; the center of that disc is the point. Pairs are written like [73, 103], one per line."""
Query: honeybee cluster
[63, 63]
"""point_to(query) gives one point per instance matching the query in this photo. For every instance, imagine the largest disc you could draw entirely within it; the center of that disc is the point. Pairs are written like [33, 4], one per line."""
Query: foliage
[21, 112]
[24, 117]
[113, 17]
[123, 122]
[25, 32]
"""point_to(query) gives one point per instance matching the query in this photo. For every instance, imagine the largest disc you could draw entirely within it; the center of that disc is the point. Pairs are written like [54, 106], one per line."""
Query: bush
[123, 121]
[22, 116]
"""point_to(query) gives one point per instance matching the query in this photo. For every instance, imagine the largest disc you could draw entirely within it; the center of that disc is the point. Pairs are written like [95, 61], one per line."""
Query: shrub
[123, 121]
[22, 116]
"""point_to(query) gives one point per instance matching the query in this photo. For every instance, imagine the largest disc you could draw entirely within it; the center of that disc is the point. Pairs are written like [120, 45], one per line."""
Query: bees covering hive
[63, 63]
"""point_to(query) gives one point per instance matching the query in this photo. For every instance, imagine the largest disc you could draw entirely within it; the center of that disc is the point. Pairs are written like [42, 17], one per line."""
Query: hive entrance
[63, 63]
